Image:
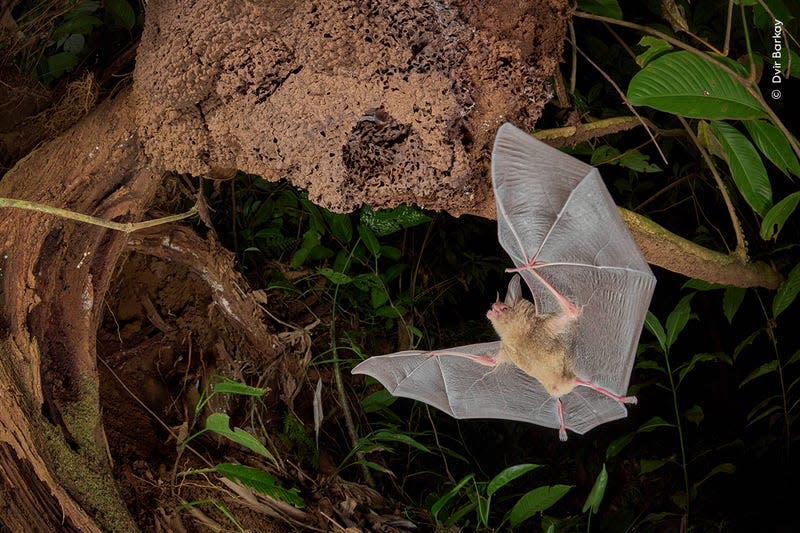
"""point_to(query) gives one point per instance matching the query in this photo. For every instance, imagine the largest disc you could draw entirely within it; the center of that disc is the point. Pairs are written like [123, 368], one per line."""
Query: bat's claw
[629, 399]
[562, 434]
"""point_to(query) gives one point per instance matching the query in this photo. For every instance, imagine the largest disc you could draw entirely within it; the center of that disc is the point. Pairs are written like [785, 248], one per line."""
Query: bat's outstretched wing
[452, 381]
[563, 231]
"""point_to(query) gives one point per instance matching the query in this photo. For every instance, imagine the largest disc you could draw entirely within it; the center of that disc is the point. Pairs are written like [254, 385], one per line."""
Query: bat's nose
[497, 309]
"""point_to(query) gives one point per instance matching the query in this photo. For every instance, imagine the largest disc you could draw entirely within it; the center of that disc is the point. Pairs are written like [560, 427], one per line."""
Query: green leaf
[595, 497]
[386, 221]
[732, 300]
[618, 445]
[747, 169]
[604, 8]
[745, 343]
[83, 24]
[794, 69]
[370, 240]
[536, 501]
[776, 217]
[766, 21]
[234, 387]
[378, 297]
[774, 145]
[787, 292]
[259, 481]
[58, 65]
[655, 48]
[654, 326]
[698, 358]
[650, 365]
[793, 359]
[341, 226]
[724, 468]
[694, 414]
[766, 368]
[508, 475]
[439, 504]
[387, 311]
[391, 252]
[483, 511]
[377, 400]
[385, 435]
[684, 84]
[337, 278]
[220, 423]
[74, 43]
[637, 161]
[757, 414]
[678, 319]
[122, 13]
[651, 465]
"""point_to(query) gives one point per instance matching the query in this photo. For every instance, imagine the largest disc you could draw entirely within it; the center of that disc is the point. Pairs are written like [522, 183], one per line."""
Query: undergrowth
[711, 446]
[717, 372]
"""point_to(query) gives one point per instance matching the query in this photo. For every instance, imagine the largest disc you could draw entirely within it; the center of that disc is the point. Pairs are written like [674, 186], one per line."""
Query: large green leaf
[261, 481]
[536, 501]
[687, 85]
[747, 168]
[595, 497]
[787, 292]
[508, 475]
[122, 13]
[774, 145]
[776, 217]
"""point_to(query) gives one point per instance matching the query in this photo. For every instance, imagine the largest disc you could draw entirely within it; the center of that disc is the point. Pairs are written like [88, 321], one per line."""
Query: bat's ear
[514, 293]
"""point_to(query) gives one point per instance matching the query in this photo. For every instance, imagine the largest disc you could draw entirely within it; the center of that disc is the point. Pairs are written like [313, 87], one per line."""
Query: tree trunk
[54, 275]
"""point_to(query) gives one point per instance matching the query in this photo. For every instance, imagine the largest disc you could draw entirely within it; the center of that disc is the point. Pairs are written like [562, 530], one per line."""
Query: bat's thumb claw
[562, 435]
[630, 399]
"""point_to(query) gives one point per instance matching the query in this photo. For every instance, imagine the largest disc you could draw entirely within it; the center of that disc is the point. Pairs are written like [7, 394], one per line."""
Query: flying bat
[564, 360]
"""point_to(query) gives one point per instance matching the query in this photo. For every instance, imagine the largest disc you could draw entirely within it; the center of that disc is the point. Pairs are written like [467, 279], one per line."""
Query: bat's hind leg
[605, 392]
[562, 425]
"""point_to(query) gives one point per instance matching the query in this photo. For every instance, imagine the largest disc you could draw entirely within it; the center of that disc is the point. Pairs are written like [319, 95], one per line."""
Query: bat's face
[511, 320]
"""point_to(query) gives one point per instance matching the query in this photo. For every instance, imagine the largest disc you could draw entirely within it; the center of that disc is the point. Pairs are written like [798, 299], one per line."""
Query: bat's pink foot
[562, 426]
[607, 393]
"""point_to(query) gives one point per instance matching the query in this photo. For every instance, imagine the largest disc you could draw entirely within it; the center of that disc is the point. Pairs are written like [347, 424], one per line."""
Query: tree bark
[55, 273]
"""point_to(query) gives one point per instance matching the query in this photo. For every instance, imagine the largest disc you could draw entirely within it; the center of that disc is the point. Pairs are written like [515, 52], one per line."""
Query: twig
[124, 227]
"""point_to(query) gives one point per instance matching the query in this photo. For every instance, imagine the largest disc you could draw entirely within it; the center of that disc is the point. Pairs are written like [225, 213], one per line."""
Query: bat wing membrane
[582, 248]
[459, 386]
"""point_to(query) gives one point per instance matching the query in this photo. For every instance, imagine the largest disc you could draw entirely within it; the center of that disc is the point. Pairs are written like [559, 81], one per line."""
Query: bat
[564, 360]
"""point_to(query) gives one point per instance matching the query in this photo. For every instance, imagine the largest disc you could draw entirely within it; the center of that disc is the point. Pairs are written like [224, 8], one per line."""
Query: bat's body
[565, 360]
[537, 344]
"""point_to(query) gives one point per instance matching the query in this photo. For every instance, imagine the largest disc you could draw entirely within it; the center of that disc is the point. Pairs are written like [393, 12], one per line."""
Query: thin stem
[624, 99]
[741, 249]
[337, 374]
[124, 227]
[680, 433]
[784, 395]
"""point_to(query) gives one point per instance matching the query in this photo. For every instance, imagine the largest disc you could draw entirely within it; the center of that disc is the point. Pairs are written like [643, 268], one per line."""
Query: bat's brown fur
[538, 344]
